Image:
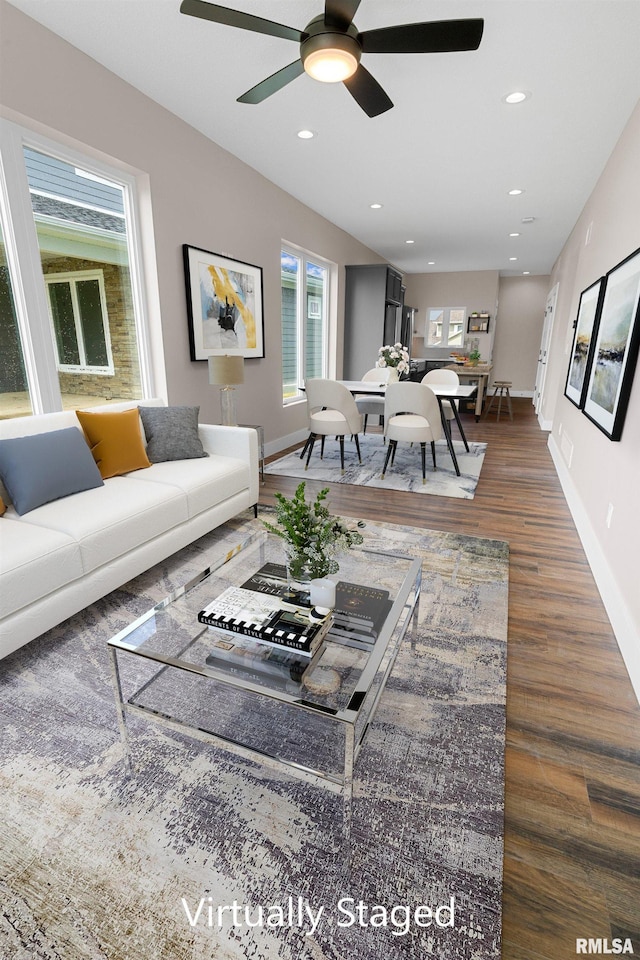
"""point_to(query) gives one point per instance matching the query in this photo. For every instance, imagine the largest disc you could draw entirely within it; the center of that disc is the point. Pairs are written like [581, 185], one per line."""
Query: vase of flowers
[311, 535]
[395, 356]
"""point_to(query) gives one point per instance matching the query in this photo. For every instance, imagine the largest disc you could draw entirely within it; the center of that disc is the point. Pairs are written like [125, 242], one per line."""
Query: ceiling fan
[331, 47]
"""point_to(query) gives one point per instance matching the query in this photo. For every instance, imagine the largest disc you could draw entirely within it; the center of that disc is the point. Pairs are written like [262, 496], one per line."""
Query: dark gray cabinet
[372, 315]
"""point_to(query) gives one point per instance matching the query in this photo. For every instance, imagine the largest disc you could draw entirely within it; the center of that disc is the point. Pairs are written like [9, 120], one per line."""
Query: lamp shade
[226, 369]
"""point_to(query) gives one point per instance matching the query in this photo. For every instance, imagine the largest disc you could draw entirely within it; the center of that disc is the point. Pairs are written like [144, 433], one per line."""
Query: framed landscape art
[585, 329]
[616, 348]
[224, 305]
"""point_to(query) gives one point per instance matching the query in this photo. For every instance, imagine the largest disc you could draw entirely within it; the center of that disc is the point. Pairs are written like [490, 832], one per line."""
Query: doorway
[541, 373]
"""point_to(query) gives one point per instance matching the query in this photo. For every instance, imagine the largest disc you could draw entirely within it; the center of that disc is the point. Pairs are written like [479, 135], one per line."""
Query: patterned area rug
[405, 474]
[203, 855]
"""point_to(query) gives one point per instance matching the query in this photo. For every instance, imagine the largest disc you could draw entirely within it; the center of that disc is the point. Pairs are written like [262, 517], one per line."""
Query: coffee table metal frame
[354, 719]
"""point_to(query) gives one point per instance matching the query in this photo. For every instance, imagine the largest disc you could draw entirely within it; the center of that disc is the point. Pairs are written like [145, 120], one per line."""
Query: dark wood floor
[572, 830]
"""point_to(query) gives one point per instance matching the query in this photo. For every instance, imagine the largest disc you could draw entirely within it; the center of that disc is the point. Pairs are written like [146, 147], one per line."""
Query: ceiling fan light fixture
[330, 57]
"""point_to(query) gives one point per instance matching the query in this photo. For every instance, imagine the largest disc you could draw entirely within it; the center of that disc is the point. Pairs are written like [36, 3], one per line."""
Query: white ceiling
[443, 159]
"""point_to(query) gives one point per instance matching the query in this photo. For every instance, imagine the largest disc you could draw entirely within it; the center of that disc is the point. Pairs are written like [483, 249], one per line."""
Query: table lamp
[224, 372]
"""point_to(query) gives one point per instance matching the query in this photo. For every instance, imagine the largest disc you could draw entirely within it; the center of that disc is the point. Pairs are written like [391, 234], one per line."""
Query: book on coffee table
[271, 579]
[361, 606]
[266, 619]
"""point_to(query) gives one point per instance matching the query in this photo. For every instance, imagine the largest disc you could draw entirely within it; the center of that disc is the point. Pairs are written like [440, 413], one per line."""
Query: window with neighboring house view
[445, 327]
[14, 389]
[84, 324]
[305, 319]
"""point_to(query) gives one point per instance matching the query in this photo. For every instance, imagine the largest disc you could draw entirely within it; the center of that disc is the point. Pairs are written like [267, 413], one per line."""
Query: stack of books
[271, 635]
[359, 614]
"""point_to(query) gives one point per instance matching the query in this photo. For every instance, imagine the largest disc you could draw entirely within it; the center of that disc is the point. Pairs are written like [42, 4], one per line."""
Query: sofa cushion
[34, 562]
[115, 440]
[43, 467]
[110, 521]
[205, 482]
[172, 433]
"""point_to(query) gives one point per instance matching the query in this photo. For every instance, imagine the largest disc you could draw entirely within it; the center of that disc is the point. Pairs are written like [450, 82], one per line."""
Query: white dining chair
[332, 411]
[449, 408]
[411, 415]
[374, 406]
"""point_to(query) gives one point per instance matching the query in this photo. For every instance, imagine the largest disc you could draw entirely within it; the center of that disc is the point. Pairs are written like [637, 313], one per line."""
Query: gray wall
[516, 306]
[475, 290]
[519, 331]
[595, 471]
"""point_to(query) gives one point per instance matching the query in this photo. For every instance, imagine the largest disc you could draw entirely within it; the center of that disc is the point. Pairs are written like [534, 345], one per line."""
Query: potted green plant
[474, 358]
[311, 535]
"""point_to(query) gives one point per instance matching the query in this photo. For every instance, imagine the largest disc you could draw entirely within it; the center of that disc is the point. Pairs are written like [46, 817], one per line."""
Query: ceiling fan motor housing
[321, 37]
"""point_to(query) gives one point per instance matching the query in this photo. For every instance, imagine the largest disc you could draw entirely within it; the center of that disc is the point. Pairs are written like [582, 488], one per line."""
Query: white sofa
[64, 555]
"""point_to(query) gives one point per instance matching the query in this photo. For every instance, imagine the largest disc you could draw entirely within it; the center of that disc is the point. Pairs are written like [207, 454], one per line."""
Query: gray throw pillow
[46, 467]
[172, 433]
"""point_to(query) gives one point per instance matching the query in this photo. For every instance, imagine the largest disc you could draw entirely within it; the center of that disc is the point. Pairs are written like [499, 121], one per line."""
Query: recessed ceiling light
[376, 206]
[526, 273]
[306, 134]
[431, 263]
[409, 241]
[514, 234]
[515, 192]
[517, 96]
[527, 219]
[513, 258]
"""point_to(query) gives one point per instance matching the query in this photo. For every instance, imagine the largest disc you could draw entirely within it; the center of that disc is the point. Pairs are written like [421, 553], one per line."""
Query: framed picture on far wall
[616, 348]
[224, 305]
[585, 330]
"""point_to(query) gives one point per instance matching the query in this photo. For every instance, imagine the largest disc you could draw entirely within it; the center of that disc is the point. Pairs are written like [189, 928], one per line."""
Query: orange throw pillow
[115, 440]
[2, 506]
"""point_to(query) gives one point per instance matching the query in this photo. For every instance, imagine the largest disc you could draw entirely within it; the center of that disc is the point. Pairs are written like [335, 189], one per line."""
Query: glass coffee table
[313, 727]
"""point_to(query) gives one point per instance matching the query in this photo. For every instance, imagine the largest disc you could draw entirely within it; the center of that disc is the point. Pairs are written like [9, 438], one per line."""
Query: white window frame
[72, 279]
[25, 268]
[446, 312]
[327, 312]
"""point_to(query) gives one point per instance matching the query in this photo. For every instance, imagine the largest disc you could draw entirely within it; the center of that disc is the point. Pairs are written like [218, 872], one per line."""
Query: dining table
[443, 391]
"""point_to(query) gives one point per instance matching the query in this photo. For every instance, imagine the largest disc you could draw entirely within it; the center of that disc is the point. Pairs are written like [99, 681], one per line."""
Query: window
[79, 303]
[14, 391]
[445, 327]
[79, 319]
[305, 310]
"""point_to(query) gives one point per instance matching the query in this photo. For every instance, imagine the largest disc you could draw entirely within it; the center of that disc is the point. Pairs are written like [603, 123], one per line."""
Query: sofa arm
[238, 442]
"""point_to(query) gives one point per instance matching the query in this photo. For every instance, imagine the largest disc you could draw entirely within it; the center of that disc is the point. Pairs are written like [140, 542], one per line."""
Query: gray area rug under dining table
[404, 474]
[96, 866]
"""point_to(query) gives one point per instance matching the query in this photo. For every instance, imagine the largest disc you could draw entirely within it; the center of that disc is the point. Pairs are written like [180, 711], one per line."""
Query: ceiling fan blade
[272, 84]
[367, 92]
[440, 36]
[340, 13]
[236, 18]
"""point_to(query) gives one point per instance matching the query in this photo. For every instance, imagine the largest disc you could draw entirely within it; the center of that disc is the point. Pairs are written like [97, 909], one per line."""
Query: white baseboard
[614, 603]
[275, 446]
[546, 425]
